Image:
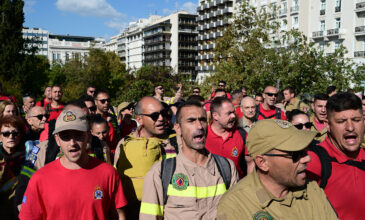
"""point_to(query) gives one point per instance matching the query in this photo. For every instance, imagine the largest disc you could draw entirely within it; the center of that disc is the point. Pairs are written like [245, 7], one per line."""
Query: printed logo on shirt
[235, 152]
[261, 215]
[24, 199]
[180, 181]
[69, 117]
[98, 193]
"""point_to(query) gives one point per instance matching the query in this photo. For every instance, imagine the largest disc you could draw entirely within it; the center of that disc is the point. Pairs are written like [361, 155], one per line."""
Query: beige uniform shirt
[249, 199]
[199, 194]
[295, 105]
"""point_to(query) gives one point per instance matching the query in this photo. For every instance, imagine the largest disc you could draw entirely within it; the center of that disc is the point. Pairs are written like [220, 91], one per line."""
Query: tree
[255, 52]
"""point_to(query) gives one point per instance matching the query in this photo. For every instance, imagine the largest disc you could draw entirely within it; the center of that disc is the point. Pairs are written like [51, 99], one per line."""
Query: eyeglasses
[154, 116]
[195, 92]
[301, 125]
[8, 133]
[93, 108]
[91, 91]
[295, 155]
[221, 85]
[104, 100]
[160, 88]
[40, 117]
[271, 94]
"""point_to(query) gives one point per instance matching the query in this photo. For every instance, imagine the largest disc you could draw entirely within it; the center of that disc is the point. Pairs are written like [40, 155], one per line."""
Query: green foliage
[254, 52]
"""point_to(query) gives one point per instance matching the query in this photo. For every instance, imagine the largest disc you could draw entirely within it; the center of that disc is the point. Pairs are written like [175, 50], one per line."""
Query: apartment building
[213, 18]
[36, 37]
[111, 45]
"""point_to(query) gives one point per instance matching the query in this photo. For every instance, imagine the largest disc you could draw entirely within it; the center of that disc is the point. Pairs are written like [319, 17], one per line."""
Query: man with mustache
[195, 186]
[338, 162]
[319, 116]
[277, 188]
[223, 137]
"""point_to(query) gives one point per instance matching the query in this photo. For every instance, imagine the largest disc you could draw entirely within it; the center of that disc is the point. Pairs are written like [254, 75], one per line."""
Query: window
[323, 25]
[338, 23]
[337, 45]
[295, 3]
[295, 22]
[283, 24]
[338, 3]
[321, 46]
[323, 4]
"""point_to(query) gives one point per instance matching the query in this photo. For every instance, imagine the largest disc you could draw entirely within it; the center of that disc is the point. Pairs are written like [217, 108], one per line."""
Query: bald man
[267, 109]
[136, 153]
[248, 108]
[35, 117]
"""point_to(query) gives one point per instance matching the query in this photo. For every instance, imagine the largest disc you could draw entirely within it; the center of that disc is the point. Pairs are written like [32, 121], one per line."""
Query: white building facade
[36, 37]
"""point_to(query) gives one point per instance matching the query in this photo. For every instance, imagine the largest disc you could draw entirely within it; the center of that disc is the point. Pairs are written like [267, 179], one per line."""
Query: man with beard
[223, 137]
[100, 196]
[267, 109]
[55, 108]
[338, 162]
[319, 116]
[192, 190]
[136, 153]
[292, 102]
[277, 188]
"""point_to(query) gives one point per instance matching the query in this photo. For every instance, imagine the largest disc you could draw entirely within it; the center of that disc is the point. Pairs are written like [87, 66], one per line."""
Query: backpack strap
[357, 164]
[243, 164]
[224, 169]
[173, 142]
[243, 134]
[48, 108]
[168, 167]
[326, 163]
[257, 112]
[42, 103]
[278, 113]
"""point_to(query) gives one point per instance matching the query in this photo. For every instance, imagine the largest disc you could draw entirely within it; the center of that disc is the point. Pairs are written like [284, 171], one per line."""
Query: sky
[96, 18]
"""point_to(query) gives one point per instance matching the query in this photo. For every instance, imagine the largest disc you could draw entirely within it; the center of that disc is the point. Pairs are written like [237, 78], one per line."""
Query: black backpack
[326, 163]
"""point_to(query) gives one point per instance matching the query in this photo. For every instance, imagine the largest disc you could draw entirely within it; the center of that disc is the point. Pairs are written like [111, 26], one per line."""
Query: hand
[179, 85]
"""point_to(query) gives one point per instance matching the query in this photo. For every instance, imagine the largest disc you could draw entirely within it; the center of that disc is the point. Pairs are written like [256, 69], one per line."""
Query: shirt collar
[191, 167]
[341, 157]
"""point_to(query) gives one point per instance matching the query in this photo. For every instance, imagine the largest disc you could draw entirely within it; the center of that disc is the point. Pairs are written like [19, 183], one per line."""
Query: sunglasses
[91, 91]
[77, 136]
[8, 133]
[295, 155]
[301, 125]
[222, 85]
[196, 92]
[93, 108]
[40, 117]
[154, 116]
[271, 94]
[104, 100]
[160, 88]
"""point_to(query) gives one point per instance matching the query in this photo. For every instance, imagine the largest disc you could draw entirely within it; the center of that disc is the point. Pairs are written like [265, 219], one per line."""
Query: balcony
[360, 7]
[283, 12]
[294, 10]
[199, 8]
[359, 54]
[333, 32]
[318, 34]
[227, 10]
[220, 2]
[322, 12]
[337, 8]
[360, 31]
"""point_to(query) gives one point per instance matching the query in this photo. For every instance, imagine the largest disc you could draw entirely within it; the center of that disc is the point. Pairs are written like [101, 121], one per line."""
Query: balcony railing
[283, 11]
[322, 12]
[317, 34]
[359, 54]
[360, 7]
[294, 9]
[334, 31]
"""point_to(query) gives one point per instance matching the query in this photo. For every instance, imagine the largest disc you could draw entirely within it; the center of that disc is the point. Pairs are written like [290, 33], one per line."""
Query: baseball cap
[71, 119]
[270, 134]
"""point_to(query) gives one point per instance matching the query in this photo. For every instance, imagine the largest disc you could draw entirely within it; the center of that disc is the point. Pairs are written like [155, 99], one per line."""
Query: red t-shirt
[270, 113]
[232, 147]
[39, 103]
[227, 94]
[345, 188]
[126, 129]
[55, 192]
[318, 125]
[238, 111]
[55, 112]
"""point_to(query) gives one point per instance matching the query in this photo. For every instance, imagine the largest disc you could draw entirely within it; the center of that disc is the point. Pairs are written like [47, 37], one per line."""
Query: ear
[57, 138]
[327, 125]
[214, 115]
[139, 119]
[261, 163]
[177, 129]
[312, 104]
[29, 121]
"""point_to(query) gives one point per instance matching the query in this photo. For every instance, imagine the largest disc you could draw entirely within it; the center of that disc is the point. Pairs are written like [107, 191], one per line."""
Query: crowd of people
[272, 155]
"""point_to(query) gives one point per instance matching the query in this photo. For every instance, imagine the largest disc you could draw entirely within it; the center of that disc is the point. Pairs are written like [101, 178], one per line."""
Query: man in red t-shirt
[76, 186]
[267, 109]
[236, 101]
[319, 116]
[223, 137]
[345, 170]
[47, 99]
[55, 108]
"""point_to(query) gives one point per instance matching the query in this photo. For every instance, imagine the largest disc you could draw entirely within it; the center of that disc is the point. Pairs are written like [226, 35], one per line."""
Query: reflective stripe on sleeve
[168, 155]
[198, 192]
[10, 183]
[151, 209]
[27, 171]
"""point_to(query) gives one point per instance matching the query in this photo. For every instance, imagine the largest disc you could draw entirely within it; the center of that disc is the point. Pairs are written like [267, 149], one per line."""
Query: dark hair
[280, 97]
[331, 89]
[196, 88]
[222, 81]
[56, 85]
[320, 96]
[185, 105]
[217, 103]
[290, 89]
[14, 121]
[28, 94]
[195, 98]
[78, 103]
[243, 87]
[98, 119]
[99, 91]
[219, 90]
[258, 94]
[349, 90]
[86, 98]
[236, 93]
[343, 101]
[291, 114]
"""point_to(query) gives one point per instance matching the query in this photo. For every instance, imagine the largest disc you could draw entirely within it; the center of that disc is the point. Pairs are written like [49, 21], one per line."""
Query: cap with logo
[71, 119]
[270, 134]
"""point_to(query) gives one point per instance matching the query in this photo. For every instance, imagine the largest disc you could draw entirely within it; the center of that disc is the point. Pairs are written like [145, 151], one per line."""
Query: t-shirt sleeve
[32, 204]
[117, 191]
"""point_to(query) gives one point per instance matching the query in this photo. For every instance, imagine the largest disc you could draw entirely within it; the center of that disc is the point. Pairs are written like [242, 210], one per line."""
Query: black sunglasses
[93, 108]
[8, 133]
[271, 94]
[40, 117]
[196, 92]
[222, 85]
[104, 100]
[301, 125]
[295, 155]
[154, 116]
